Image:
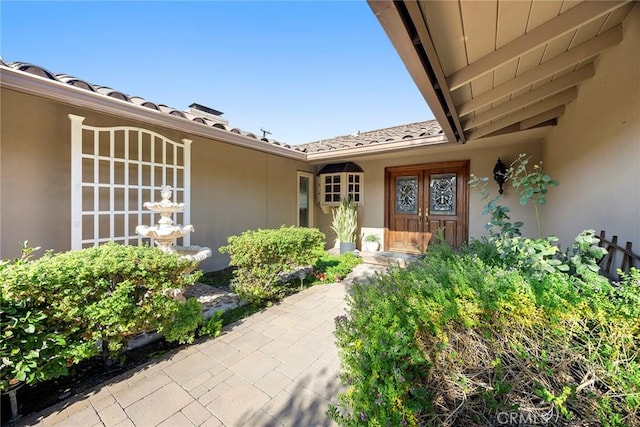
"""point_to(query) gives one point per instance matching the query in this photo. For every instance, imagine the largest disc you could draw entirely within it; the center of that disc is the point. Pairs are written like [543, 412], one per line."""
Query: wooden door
[425, 202]
[406, 228]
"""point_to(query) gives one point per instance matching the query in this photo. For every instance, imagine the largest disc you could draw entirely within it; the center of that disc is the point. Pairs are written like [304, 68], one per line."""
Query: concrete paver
[159, 405]
[239, 403]
[279, 367]
[196, 413]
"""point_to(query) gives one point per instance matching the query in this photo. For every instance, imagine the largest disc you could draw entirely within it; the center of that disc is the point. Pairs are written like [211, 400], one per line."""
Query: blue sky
[304, 70]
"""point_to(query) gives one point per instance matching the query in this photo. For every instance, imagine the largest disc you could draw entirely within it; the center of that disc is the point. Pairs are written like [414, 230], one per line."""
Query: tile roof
[136, 100]
[368, 139]
[418, 130]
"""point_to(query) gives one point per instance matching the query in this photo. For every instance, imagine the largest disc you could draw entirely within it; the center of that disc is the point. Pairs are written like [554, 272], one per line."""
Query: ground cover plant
[455, 341]
[330, 268]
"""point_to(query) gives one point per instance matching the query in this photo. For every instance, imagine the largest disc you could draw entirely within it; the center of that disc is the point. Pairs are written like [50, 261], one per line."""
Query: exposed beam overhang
[571, 57]
[545, 91]
[542, 117]
[563, 23]
[406, 28]
[527, 113]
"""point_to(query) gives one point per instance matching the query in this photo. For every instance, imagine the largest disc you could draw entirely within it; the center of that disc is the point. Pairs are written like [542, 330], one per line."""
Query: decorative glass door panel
[406, 216]
[442, 194]
[407, 195]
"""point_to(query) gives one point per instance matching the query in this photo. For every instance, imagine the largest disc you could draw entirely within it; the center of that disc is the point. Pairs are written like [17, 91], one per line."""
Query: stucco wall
[34, 174]
[233, 189]
[482, 156]
[595, 150]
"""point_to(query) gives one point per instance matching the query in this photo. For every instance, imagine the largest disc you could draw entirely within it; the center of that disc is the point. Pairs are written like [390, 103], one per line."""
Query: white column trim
[186, 240]
[76, 181]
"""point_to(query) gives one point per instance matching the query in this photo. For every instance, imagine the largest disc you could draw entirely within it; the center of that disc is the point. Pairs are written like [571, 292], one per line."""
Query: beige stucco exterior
[594, 151]
[482, 156]
[233, 188]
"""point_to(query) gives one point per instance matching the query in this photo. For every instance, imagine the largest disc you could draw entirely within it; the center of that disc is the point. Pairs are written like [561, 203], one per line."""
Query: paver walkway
[277, 367]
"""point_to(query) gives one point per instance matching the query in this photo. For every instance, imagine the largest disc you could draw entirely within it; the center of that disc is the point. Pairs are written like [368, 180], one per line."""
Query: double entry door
[426, 202]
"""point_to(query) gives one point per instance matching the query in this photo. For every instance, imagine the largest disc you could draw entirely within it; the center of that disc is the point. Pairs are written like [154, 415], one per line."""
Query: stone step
[389, 259]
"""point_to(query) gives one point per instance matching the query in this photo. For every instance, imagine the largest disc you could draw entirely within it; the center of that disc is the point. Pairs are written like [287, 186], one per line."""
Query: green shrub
[541, 256]
[98, 295]
[29, 350]
[180, 324]
[263, 256]
[213, 326]
[454, 341]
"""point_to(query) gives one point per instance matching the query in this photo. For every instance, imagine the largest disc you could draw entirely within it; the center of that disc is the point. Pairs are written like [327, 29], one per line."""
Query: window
[354, 184]
[332, 189]
[305, 199]
[340, 181]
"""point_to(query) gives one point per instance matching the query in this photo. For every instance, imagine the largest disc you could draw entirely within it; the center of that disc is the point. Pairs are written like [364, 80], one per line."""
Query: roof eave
[406, 28]
[388, 147]
[78, 97]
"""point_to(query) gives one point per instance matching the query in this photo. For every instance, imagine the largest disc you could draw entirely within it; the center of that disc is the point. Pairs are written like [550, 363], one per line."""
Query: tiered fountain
[165, 233]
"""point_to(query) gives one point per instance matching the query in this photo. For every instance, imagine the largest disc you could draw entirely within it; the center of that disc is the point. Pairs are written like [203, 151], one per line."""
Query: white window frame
[344, 188]
[310, 196]
[89, 208]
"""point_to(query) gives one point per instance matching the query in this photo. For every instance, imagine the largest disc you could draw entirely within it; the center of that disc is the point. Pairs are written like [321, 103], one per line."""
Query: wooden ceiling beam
[563, 23]
[573, 56]
[532, 111]
[541, 118]
[545, 91]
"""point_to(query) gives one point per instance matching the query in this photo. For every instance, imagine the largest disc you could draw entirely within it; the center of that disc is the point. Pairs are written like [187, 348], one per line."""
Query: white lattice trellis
[114, 170]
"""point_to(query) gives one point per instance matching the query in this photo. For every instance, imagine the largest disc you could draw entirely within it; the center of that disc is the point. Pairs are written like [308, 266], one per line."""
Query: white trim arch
[114, 170]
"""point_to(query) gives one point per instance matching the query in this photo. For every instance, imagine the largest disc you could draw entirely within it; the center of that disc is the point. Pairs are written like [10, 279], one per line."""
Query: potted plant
[371, 242]
[345, 225]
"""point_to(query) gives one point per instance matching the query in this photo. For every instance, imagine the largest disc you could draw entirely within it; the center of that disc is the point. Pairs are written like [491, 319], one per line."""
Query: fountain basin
[164, 207]
[194, 254]
[164, 232]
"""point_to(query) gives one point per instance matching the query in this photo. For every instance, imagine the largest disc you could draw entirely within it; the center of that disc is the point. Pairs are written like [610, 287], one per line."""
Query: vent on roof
[207, 112]
[204, 109]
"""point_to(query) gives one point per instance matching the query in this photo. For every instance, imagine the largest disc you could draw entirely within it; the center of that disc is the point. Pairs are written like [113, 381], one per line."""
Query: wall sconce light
[500, 174]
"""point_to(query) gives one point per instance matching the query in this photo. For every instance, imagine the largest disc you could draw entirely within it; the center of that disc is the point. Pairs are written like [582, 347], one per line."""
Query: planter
[345, 225]
[371, 246]
[347, 247]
